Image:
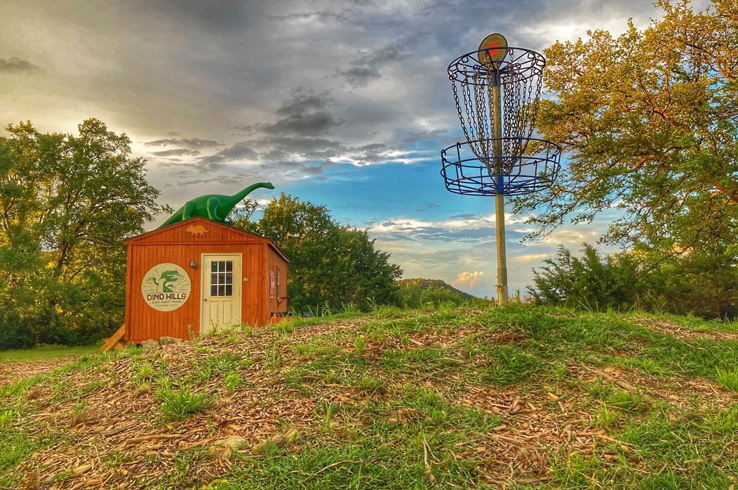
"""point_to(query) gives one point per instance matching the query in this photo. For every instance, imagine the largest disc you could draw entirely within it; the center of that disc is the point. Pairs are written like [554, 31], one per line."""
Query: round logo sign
[166, 287]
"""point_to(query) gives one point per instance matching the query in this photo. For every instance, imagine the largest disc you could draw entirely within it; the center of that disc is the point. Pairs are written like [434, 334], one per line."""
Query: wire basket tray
[465, 173]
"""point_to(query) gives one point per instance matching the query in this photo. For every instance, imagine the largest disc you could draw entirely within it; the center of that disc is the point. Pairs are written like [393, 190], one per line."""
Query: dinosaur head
[170, 275]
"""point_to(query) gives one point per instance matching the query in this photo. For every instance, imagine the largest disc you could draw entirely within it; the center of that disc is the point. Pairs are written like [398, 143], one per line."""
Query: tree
[649, 123]
[66, 204]
[330, 264]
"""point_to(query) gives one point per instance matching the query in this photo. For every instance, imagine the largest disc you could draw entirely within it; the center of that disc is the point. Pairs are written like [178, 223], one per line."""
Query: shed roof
[235, 234]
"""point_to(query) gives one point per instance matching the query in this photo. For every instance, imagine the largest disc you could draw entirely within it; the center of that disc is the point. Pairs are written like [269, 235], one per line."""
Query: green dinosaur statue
[214, 207]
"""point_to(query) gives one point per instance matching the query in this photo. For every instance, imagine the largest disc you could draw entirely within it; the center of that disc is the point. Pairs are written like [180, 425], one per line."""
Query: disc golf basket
[496, 90]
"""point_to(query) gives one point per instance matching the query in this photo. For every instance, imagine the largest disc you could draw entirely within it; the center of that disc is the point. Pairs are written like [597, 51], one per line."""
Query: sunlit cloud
[524, 259]
[457, 223]
[469, 280]
[571, 235]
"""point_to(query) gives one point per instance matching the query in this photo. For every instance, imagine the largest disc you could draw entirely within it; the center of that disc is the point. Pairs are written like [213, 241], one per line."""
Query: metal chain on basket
[480, 108]
[458, 105]
[520, 92]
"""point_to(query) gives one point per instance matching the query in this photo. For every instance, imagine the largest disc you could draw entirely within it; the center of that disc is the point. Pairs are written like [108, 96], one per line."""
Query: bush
[646, 278]
[592, 281]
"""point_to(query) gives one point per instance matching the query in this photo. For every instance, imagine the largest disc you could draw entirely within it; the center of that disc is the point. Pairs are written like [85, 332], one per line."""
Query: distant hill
[436, 283]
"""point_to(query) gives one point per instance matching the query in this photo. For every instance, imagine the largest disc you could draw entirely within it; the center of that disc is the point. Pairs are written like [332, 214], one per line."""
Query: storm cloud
[366, 66]
[189, 143]
[176, 152]
[17, 65]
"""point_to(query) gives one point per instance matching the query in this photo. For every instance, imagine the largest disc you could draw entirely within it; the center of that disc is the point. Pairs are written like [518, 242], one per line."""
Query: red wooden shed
[194, 275]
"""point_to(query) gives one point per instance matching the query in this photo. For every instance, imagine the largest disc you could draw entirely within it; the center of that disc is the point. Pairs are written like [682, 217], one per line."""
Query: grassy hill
[515, 397]
[418, 293]
[433, 283]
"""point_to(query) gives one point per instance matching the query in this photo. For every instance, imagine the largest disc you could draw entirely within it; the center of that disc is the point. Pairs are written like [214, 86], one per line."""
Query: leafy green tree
[330, 264]
[67, 202]
[649, 123]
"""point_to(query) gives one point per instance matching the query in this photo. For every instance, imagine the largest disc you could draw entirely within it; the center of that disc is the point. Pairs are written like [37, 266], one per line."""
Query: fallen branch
[154, 437]
[624, 385]
[428, 473]
[118, 430]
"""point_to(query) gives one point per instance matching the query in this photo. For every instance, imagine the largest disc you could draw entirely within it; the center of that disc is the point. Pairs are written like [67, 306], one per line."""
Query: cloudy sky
[345, 104]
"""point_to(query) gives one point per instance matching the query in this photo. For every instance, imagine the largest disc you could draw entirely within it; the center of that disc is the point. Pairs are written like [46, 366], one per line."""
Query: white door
[221, 291]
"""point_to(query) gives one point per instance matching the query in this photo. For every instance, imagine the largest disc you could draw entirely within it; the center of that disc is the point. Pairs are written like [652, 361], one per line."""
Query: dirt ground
[11, 372]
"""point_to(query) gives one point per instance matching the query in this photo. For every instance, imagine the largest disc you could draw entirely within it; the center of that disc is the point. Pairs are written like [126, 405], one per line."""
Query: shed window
[271, 284]
[221, 278]
[279, 282]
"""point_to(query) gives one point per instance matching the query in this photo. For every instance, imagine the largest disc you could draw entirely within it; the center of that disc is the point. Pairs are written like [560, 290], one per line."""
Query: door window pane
[222, 275]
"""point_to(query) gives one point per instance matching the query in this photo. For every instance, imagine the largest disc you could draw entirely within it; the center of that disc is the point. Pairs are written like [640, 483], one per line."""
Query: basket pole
[499, 196]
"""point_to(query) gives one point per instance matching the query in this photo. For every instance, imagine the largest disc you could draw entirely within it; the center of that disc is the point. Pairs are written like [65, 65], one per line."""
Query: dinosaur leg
[187, 210]
[213, 204]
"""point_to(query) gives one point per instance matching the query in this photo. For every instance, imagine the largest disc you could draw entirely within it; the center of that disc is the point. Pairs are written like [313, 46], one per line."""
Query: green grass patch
[181, 403]
[46, 352]
[510, 364]
[724, 422]
[214, 365]
[728, 378]
[17, 446]
[579, 336]
[427, 360]
[388, 448]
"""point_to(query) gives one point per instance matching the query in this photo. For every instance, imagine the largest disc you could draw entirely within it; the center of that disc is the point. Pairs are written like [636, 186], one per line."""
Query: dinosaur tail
[176, 217]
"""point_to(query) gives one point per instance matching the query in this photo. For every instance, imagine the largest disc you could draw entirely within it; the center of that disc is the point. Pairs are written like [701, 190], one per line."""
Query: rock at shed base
[150, 344]
[169, 340]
